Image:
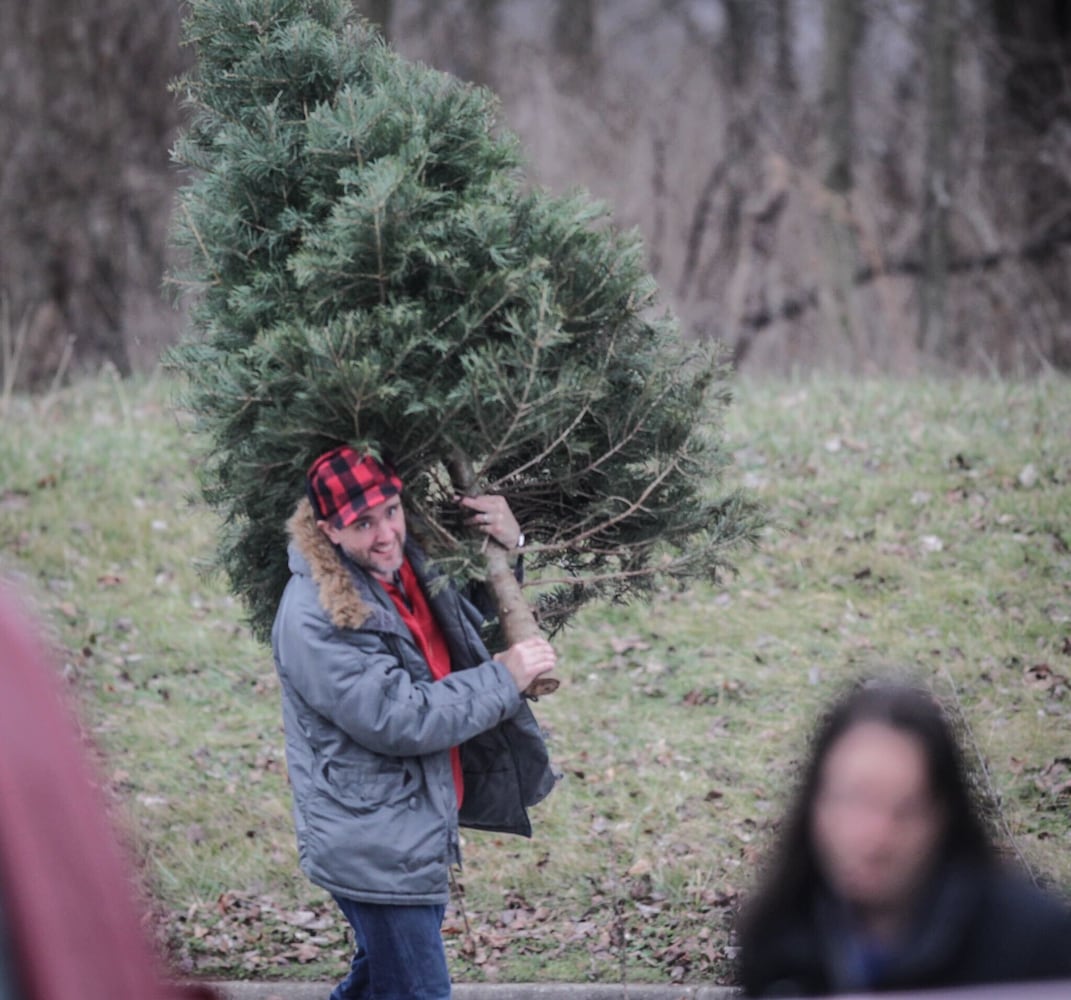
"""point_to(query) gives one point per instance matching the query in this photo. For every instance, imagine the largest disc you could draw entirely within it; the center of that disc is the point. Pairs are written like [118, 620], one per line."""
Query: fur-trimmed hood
[313, 554]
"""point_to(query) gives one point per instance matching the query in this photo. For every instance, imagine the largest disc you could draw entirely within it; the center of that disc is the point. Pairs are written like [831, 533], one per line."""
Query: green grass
[919, 526]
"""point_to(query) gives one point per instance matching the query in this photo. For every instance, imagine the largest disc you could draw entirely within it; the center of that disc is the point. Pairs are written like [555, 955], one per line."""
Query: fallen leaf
[627, 643]
[306, 952]
[641, 867]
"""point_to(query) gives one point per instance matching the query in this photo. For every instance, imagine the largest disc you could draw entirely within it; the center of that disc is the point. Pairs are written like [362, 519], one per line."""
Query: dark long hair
[792, 875]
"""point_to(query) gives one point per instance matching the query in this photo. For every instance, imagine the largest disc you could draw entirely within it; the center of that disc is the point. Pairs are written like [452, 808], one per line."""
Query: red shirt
[413, 606]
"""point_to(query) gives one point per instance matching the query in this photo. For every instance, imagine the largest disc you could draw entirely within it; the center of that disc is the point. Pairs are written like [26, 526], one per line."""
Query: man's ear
[327, 528]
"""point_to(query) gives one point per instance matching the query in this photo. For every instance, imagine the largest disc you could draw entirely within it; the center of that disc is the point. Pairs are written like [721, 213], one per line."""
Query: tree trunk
[574, 42]
[379, 13]
[485, 36]
[841, 39]
[574, 29]
[784, 74]
[940, 112]
[86, 121]
[842, 35]
[514, 615]
[740, 16]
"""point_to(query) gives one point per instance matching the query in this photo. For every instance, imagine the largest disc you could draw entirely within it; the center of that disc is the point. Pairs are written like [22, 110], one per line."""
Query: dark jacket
[975, 927]
[369, 732]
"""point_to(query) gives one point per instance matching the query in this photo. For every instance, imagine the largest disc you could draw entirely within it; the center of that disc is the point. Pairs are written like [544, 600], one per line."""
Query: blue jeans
[399, 955]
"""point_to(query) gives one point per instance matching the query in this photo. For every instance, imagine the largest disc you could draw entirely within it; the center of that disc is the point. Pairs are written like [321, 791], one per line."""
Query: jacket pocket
[373, 833]
[368, 785]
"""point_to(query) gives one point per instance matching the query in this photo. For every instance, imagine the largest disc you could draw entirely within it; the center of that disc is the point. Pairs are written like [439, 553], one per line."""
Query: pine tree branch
[633, 506]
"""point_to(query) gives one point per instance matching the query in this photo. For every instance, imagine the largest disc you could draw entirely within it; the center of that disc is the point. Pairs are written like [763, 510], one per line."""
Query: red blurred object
[66, 892]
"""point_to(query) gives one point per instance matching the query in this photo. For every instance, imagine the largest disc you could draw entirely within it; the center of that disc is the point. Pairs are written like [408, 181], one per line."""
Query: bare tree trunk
[784, 75]
[514, 615]
[486, 36]
[740, 16]
[842, 38]
[574, 41]
[842, 30]
[940, 115]
[574, 29]
[379, 12]
[85, 184]
[1031, 165]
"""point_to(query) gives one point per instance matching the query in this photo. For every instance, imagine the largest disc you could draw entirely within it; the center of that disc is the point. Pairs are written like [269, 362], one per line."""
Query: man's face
[875, 823]
[376, 540]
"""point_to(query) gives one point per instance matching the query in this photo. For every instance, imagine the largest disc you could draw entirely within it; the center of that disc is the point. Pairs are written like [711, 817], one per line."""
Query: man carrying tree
[368, 264]
[399, 723]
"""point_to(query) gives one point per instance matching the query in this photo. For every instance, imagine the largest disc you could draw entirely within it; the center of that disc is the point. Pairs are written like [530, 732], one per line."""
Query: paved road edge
[491, 991]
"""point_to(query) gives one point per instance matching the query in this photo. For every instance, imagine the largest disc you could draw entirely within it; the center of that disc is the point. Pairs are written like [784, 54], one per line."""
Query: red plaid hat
[342, 484]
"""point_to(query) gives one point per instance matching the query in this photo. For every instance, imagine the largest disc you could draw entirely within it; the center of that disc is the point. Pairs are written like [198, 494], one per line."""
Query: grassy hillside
[918, 526]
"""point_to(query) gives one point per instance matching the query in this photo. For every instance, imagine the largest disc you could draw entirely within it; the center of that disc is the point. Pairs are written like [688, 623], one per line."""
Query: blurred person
[884, 876]
[69, 923]
[399, 723]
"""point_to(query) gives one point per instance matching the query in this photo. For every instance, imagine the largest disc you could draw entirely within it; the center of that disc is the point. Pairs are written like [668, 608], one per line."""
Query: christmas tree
[367, 264]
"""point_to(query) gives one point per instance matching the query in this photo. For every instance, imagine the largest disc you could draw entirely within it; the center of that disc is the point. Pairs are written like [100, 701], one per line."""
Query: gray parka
[369, 732]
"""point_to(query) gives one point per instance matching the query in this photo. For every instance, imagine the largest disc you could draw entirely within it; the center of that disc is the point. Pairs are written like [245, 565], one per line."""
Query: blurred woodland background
[866, 185]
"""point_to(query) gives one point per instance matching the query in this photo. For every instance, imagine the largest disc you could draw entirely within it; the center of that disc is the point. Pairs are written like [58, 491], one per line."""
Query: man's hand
[527, 660]
[492, 516]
